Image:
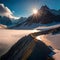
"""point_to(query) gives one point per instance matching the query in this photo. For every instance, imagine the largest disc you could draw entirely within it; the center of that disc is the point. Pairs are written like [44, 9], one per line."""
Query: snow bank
[57, 55]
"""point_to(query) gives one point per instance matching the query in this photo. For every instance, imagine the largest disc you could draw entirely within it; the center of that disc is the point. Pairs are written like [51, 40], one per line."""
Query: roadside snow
[57, 55]
[54, 39]
[36, 26]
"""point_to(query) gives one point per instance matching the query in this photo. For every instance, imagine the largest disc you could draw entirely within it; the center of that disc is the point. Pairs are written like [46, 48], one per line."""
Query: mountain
[45, 15]
[5, 20]
[21, 20]
[55, 12]
[17, 22]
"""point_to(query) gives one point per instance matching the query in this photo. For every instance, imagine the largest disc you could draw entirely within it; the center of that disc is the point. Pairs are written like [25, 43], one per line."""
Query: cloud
[5, 11]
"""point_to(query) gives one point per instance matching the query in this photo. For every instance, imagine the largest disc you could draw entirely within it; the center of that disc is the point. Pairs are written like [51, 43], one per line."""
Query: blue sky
[24, 7]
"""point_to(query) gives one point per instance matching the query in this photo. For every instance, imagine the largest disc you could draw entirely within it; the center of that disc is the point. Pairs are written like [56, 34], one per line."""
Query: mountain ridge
[44, 16]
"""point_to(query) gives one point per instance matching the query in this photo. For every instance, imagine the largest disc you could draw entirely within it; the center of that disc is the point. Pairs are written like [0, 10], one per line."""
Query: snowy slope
[14, 35]
[57, 55]
[54, 39]
[36, 26]
[9, 37]
[44, 17]
[47, 27]
[51, 34]
[3, 26]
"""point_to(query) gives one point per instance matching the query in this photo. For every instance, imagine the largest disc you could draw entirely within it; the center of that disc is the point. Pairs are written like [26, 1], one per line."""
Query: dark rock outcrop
[5, 20]
[44, 16]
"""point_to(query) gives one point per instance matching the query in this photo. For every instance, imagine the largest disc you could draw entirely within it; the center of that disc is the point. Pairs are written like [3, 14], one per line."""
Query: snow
[51, 40]
[2, 26]
[47, 27]
[57, 55]
[54, 39]
[37, 26]
[9, 37]
[23, 26]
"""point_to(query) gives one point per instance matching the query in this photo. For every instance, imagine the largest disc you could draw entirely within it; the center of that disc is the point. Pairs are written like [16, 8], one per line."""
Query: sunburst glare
[35, 11]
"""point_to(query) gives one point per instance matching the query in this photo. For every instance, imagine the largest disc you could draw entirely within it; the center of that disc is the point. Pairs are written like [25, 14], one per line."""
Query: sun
[35, 11]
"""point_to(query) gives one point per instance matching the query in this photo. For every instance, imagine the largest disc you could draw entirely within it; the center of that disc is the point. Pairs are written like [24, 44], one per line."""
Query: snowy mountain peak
[44, 16]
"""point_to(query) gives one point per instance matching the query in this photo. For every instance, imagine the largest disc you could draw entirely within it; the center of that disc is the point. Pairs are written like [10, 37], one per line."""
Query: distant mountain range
[45, 15]
[5, 20]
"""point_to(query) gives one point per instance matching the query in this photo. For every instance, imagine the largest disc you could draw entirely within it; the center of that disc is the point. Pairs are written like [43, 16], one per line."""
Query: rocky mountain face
[55, 12]
[5, 20]
[44, 16]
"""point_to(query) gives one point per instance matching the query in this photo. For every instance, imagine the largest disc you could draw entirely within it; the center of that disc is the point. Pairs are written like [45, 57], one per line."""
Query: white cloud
[5, 11]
